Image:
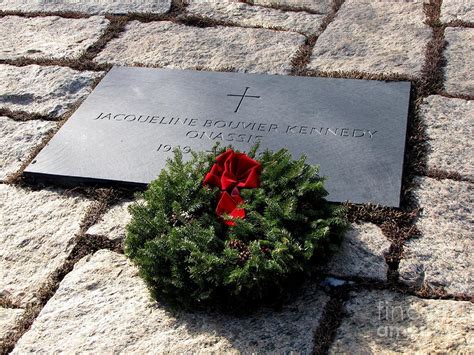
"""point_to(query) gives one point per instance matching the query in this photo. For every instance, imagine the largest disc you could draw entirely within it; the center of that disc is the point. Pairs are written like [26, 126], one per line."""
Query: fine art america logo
[237, 131]
[403, 320]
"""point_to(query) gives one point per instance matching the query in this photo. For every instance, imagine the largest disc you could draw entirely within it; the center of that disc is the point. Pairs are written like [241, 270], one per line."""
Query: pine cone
[244, 255]
[244, 252]
[238, 245]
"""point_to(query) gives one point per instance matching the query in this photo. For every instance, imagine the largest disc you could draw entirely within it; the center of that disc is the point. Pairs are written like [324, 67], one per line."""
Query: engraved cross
[242, 97]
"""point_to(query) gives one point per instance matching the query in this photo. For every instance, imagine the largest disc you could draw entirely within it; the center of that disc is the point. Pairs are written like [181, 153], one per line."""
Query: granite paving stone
[50, 37]
[112, 224]
[454, 10]
[87, 6]
[442, 255]
[362, 254]
[17, 140]
[384, 322]
[38, 228]
[171, 45]
[459, 79]
[104, 306]
[449, 127]
[247, 15]
[319, 6]
[45, 90]
[9, 318]
[374, 37]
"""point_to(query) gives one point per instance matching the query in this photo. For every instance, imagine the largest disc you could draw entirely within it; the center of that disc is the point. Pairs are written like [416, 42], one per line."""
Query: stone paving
[385, 322]
[170, 45]
[9, 317]
[449, 152]
[443, 256]
[374, 38]
[321, 6]
[45, 90]
[246, 15]
[44, 37]
[457, 10]
[400, 293]
[17, 140]
[104, 306]
[87, 6]
[458, 75]
[38, 230]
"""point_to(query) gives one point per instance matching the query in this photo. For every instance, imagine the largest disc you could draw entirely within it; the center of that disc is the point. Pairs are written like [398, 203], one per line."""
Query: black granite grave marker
[123, 133]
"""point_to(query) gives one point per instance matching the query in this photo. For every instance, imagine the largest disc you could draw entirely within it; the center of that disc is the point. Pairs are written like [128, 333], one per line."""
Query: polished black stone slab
[123, 133]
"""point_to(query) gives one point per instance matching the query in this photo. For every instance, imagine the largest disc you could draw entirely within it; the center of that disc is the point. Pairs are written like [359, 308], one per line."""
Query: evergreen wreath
[231, 230]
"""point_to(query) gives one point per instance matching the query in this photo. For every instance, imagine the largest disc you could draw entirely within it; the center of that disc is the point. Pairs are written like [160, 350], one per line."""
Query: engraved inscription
[242, 97]
[236, 131]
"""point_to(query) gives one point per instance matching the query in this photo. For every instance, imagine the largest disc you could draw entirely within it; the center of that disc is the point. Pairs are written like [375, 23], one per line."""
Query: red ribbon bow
[230, 172]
